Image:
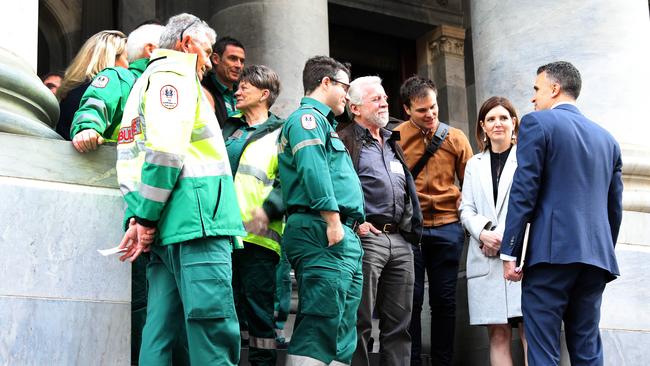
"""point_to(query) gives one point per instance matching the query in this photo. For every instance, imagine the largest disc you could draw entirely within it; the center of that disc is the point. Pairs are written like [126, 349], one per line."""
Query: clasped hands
[136, 240]
[490, 246]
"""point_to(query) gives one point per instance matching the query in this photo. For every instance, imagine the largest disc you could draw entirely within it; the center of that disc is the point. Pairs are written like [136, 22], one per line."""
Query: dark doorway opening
[370, 53]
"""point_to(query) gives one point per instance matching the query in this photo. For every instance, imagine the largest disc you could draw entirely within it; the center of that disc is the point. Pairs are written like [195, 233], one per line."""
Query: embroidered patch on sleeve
[308, 121]
[100, 81]
[169, 97]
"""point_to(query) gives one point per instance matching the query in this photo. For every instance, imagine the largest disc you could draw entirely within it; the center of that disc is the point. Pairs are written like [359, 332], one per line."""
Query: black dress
[68, 107]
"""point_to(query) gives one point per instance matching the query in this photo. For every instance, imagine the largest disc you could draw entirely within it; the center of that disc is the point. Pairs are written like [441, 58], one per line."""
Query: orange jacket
[435, 184]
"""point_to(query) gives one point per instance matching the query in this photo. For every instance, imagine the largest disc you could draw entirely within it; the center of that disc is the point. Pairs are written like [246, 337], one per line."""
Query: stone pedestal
[441, 57]
[281, 34]
[61, 303]
[607, 41]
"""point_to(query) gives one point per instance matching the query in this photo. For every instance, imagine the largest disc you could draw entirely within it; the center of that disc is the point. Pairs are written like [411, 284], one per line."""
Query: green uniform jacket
[273, 205]
[315, 168]
[102, 105]
[172, 163]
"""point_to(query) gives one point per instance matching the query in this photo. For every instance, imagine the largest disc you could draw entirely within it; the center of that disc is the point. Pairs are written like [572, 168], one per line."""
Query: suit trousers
[438, 255]
[552, 293]
[388, 277]
[190, 292]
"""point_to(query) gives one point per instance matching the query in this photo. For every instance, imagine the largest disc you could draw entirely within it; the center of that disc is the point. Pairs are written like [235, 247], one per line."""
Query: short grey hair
[262, 77]
[184, 24]
[140, 37]
[355, 93]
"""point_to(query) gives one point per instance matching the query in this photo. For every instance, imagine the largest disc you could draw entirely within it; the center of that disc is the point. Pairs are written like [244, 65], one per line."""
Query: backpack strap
[438, 137]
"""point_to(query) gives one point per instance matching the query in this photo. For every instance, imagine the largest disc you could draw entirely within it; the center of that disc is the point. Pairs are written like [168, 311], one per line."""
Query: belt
[385, 227]
[348, 221]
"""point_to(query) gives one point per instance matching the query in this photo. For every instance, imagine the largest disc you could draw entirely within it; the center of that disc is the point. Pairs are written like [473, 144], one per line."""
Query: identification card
[396, 167]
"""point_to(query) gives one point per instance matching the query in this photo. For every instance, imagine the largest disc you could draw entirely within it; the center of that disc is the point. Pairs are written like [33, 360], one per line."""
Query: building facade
[472, 50]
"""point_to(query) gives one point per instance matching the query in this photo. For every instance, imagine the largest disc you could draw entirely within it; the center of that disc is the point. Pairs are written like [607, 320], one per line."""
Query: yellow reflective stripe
[298, 360]
[202, 133]
[263, 343]
[205, 170]
[255, 172]
[163, 159]
[306, 143]
[154, 193]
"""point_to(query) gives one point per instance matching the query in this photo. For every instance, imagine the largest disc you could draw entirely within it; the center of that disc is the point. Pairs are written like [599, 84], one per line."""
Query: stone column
[61, 303]
[281, 34]
[608, 42]
[441, 57]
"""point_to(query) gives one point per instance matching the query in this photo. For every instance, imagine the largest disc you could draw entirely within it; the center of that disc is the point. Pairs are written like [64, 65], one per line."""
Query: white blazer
[491, 299]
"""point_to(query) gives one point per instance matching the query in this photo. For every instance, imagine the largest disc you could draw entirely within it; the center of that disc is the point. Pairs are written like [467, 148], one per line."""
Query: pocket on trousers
[206, 295]
[319, 296]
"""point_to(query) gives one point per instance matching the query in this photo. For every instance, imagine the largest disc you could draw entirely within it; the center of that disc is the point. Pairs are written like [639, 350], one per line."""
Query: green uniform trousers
[330, 281]
[138, 303]
[190, 291]
[254, 274]
[282, 300]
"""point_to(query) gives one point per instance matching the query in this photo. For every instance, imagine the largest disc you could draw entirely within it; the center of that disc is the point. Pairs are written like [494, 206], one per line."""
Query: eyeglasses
[188, 27]
[345, 86]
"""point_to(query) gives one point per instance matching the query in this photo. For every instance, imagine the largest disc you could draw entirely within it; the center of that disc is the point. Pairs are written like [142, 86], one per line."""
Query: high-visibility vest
[256, 173]
[172, 163]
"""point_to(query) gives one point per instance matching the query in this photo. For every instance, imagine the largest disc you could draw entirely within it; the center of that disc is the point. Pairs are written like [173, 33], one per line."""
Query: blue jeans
[438, 255]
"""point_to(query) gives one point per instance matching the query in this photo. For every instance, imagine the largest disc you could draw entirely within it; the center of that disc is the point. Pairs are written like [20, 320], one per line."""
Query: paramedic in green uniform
[324, 201]
[251, 139]
[176, 178]
[101, 107]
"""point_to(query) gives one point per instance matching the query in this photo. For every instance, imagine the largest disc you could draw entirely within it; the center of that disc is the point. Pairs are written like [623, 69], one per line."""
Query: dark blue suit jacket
[568, 186]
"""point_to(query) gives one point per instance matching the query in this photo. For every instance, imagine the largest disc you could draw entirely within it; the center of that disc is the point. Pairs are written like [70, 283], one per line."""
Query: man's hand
[491, 241]
[137, 239]
[511, 272]
[87, 140]
[258, 223]
[366, 228]
[335, 231]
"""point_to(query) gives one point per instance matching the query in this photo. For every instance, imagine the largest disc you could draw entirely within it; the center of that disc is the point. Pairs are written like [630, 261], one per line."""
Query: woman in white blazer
[493, 301]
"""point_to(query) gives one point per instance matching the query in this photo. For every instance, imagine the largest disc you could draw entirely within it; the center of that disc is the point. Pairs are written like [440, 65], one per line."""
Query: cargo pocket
[206, 295]
[319, 295]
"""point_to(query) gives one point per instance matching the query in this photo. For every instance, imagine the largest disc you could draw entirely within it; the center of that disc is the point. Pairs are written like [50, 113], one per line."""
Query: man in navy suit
[568, 187]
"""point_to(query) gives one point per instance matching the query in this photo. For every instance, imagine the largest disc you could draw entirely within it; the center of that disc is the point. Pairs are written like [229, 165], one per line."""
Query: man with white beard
[393, 219]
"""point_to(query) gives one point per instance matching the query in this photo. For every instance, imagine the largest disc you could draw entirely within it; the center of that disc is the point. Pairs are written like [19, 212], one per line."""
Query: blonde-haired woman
[103, 49]
[493, 301]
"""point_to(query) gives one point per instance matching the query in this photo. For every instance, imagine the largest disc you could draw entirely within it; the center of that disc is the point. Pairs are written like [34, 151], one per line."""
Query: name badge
[396, 167]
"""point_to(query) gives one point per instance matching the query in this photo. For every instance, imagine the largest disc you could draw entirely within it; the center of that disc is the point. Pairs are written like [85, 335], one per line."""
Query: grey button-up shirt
[382, 178]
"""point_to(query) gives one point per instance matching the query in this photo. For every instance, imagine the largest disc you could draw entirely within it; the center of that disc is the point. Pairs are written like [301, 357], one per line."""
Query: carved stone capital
[447, 40]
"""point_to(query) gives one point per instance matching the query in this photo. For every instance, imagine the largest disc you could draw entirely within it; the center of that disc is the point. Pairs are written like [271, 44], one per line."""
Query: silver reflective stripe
[99, 105]
[263, 343]
[298, 360]
[202, 133]
[337, 363]
[206, 170]
[255, 172]
[283, 144]
[154, 193]
[305, 143]
[128, 187]
[163, 159]
[270, 234]
[244, 334]
[130, 153]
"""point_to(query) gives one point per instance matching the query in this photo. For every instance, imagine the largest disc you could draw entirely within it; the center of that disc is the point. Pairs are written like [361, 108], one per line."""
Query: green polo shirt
[228, 95]
[315, 168]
